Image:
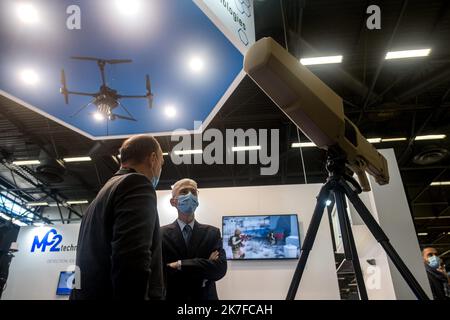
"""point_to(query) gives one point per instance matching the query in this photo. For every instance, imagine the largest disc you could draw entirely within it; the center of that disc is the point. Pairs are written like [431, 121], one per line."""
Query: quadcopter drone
[106, 99]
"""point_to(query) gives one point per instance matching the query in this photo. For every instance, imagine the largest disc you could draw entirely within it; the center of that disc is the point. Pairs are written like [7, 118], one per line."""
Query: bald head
[183, 186]
[143, 154]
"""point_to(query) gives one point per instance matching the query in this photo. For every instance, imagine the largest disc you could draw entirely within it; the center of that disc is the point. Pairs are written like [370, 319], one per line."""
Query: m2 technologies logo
[50, 240]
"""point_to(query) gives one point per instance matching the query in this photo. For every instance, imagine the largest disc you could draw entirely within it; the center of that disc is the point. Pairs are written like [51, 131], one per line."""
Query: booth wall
[34, 275]
[267, 279]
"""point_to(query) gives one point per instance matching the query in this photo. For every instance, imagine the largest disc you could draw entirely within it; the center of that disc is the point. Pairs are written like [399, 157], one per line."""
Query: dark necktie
[187, 233]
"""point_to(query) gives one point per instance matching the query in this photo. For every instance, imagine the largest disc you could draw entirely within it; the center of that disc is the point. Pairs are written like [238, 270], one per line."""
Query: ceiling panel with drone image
[165, 64]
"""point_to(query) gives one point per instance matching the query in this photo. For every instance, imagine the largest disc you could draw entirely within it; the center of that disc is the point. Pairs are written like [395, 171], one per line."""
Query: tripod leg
[381, 237]
[309, 241]
[349, 242]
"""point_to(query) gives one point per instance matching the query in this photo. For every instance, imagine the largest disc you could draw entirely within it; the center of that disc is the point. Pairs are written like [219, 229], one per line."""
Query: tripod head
[337, 168]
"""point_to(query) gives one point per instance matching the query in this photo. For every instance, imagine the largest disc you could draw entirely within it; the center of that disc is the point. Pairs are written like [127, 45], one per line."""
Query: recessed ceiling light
[4, 216]
[431, 137]
[393, 139]
[183, 152]
[29, 76]
[27, 13]
[196, 64]
[19, 223]
[26, 162]
[321, 60]
[170, 111]
[98, 116]
[37, 204]
[77, 202]
[245, 148]
[440, 183]
[374, 140]
[128, 7]
[303, 144]
[407, 54]
[77, 159]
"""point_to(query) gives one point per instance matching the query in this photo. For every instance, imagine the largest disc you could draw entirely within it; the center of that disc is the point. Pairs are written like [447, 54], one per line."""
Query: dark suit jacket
[196, 279]
[119, 244]
[437, 282]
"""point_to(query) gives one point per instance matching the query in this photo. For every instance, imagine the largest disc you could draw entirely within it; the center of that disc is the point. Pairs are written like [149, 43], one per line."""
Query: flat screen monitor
[65, 283]
[261, 237]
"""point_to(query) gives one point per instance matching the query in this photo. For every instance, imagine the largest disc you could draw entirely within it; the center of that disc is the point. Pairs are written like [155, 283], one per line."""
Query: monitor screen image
[65, 283]
[261, 237]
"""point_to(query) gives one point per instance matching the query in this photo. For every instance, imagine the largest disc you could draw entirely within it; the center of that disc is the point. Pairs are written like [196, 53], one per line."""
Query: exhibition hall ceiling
[190, 62]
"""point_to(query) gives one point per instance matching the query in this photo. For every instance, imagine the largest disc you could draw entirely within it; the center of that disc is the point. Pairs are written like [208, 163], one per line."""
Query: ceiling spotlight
[98, 116]
[29, 77]
[27, 13]
[170, 111]
[127, 7]
[196, 64]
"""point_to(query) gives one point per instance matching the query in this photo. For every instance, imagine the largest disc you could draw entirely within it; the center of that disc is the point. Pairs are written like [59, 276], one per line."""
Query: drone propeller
[83, 107]
[115, 61]
[110, 61]
[118, 116]
[149, 91]
[63, 88]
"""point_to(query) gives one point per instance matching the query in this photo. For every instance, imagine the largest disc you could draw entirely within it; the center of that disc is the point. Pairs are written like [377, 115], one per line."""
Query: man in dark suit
[192, 252]
[437, 278]
[119, 244]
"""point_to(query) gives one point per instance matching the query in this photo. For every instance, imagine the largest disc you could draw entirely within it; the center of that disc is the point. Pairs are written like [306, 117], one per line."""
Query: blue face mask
[187, 203]
[155, 180]
[434, 262]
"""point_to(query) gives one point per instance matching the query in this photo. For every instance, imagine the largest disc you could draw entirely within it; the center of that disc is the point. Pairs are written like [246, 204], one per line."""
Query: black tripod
[341, 184]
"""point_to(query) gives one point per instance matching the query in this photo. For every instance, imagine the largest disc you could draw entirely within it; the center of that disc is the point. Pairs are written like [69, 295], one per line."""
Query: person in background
[438, 280]
[442, 268]
[236, 242]
[119, 244]
[193, 253]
